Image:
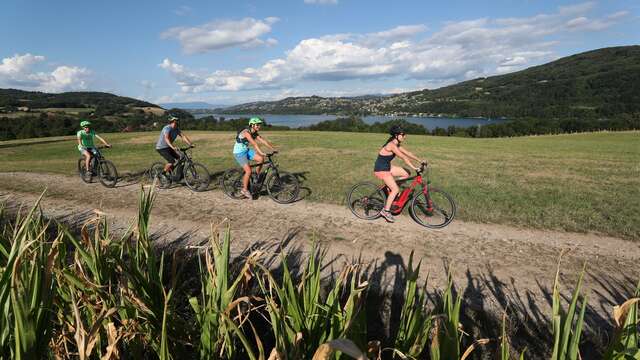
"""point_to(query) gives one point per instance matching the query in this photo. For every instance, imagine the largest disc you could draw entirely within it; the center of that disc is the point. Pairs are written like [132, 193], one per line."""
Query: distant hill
[37, 100]
[190, 105]
[603, 82]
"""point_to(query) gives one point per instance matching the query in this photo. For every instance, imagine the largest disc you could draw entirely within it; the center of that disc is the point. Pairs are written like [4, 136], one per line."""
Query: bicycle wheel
[366, 200]
[434, 210]
[231, 183]
[196, 176]
[163, 180]
[107, 173]
[283, 187]
[82, 171]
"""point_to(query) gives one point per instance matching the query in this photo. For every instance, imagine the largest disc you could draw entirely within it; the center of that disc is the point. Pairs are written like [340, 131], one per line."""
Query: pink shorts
[382, 174]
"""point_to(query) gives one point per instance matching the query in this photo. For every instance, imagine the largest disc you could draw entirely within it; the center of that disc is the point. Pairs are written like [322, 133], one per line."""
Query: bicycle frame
[269, 165]
[403, 197]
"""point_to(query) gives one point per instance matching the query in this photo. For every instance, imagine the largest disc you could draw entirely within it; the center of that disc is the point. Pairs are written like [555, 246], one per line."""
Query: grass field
[576, 182]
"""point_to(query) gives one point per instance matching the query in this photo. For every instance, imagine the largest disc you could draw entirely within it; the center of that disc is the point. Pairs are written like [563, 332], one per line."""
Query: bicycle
[282, 187]
[430, 207]
[195, 175]
[100, 167]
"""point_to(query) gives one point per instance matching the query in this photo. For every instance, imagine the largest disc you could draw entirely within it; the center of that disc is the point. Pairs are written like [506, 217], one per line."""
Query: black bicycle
[282, 187]
[99, 167]
[195, 175]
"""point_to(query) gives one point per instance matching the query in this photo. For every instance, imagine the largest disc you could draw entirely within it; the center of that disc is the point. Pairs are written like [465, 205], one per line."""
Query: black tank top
[383, 162]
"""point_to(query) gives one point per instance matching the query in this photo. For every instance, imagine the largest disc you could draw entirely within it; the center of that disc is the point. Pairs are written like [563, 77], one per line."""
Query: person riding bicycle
[243, 154]
[165, 146]
[85, 142]
[386, 172]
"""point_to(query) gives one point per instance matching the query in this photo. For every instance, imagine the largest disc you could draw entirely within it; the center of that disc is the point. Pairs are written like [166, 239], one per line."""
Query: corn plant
[221, 312]
[445, 343]
[301, 318]
[87, 311]
[145, 300]
[415, 321]
[567, 326]
[27, 286]
[625, 344]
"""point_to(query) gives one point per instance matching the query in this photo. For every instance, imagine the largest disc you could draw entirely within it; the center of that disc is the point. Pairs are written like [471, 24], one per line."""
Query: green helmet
[85, 123]
[255, 120]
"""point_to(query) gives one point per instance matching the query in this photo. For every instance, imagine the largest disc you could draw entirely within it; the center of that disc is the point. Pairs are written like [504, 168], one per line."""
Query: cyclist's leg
[388, 179]
[399, 172]
[87, 159]
[257, 158]
[243, 160]
[170, 156]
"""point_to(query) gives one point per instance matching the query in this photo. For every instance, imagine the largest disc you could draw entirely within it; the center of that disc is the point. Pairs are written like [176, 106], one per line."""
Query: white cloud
[222, 34]
[458, 51]
[17, 71]
[321, 2]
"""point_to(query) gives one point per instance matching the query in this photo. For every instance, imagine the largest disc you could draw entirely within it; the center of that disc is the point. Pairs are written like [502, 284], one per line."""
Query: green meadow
[586, 182]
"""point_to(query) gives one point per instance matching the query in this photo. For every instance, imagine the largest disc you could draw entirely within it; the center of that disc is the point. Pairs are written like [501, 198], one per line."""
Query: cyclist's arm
[167, 139]
[80, 142]
[186, 139]
[410, 155]
[103, 141]
[254, 144]
[266, 142]
[400, 153]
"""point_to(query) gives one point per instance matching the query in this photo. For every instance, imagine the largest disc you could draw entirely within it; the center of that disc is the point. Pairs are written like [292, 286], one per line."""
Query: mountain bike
[195, 175]
[100, 167]
[429, 206]
[282, 187]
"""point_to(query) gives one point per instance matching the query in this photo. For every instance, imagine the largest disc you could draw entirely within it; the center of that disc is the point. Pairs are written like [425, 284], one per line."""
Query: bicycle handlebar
[186, 148]
[272, 153]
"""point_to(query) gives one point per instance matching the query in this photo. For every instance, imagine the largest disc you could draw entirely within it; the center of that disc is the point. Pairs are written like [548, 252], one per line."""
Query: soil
[501, 265]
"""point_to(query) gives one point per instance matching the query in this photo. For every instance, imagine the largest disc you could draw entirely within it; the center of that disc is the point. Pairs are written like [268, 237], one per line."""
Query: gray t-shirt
[173, 134]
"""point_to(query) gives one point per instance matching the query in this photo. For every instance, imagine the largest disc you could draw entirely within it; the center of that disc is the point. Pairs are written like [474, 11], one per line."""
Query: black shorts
[168, 154]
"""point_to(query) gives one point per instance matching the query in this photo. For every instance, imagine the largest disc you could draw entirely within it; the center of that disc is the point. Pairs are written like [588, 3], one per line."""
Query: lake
[295, 121]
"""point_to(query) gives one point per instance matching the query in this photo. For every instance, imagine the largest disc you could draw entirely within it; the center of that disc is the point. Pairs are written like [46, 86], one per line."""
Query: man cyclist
[245, 137]
[165, 146]
[85, 142]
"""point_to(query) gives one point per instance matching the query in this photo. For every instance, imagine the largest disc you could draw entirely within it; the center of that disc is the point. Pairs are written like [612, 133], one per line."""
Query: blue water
[429, 123]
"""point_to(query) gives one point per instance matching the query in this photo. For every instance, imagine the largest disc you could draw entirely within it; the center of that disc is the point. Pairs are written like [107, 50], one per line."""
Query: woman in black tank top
[386, 172]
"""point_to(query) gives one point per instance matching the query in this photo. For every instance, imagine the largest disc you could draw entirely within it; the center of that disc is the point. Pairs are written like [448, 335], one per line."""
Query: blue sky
[226, 52]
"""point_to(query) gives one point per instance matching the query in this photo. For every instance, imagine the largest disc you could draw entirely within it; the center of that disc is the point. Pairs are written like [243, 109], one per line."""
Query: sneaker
[246, 194]
[387, 216]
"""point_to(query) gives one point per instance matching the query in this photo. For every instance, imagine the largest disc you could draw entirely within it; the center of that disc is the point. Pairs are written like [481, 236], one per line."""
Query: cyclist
[165, 146]
[85, 142]
[243, 154]
[386, 172]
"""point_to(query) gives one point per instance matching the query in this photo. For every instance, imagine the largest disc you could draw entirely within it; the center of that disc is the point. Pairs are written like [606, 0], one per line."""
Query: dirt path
[498, 263]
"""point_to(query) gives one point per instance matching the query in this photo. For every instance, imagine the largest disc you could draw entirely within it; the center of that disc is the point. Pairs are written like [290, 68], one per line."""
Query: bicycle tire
[283, 187]
[366, 200]
[163, 181]
[107, 173]
[231, 183]
[441, 212]
[196, 177]
[84, 175]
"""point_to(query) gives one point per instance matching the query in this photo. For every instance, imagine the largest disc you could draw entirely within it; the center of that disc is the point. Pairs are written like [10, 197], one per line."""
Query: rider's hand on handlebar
[109, 145]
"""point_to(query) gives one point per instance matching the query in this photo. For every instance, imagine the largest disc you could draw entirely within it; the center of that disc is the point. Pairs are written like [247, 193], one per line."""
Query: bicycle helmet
[173, 118]
[255, 120]
[85, 123]
[396, 130]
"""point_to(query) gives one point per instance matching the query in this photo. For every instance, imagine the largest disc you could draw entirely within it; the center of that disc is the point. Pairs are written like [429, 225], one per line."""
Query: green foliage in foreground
[94, 297]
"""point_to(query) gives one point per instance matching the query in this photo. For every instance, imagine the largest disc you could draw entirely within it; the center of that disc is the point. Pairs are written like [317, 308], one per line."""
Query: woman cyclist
[85, 142]
[386, 172]
[243, 154]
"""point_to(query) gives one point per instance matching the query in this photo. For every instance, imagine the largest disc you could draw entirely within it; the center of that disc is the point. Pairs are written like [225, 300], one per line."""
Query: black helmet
[395, 130]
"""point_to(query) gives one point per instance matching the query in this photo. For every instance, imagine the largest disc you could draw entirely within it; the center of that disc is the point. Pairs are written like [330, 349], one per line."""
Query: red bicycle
[430, 207]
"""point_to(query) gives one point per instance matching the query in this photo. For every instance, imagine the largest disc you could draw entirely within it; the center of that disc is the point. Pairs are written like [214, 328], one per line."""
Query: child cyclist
[386, 172]
[85, 142]
[243, 154]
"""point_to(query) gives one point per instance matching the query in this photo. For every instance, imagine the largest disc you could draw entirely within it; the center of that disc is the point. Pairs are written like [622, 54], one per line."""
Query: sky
[224, 52]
